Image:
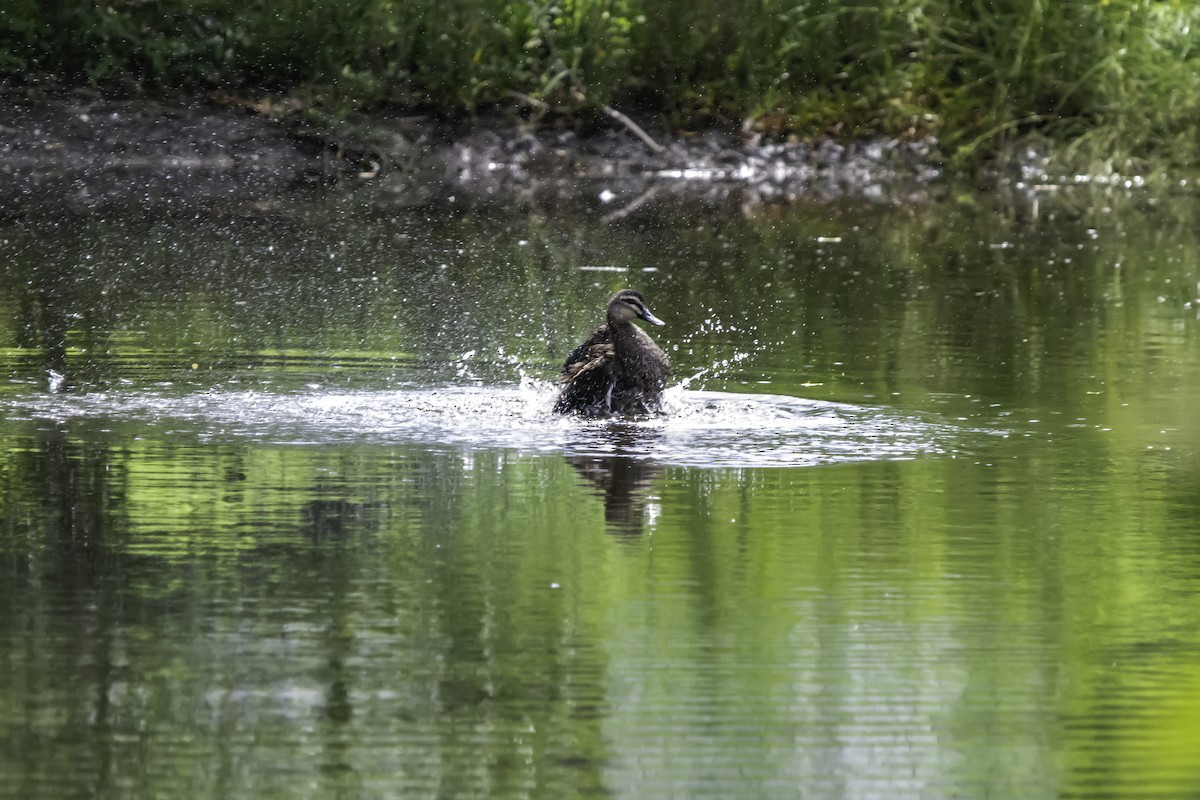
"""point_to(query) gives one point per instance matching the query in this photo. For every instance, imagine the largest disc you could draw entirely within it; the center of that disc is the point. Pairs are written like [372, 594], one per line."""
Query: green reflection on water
[214, 616]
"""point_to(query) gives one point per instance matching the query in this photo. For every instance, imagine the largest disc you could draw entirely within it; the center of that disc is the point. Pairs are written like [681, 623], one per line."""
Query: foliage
[1120, 76]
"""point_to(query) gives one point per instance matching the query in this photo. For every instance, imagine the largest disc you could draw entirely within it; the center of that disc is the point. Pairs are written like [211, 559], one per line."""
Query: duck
[618, 370]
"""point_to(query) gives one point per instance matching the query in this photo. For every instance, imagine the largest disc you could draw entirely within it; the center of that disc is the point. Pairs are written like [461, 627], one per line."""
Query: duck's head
[627, 304]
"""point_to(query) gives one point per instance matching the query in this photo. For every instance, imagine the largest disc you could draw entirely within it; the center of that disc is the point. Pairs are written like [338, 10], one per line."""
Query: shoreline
[88, 152]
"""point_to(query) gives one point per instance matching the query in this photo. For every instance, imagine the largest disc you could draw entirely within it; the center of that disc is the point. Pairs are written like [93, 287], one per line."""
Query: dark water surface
[284, 513]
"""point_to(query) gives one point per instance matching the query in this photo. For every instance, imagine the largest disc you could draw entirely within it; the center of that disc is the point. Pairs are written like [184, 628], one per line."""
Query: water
[702, 429]
[284, 512]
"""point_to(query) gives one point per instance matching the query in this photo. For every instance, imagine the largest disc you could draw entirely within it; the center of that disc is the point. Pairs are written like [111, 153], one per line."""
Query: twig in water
[633, 127]
[641, 200]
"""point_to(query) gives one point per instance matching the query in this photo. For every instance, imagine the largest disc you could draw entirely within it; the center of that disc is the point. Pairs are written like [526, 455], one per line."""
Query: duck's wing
[583, 354]
[588, 377]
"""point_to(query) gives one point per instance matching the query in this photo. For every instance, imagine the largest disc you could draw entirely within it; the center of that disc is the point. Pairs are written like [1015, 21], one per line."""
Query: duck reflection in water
[618, 370]
[622, 483]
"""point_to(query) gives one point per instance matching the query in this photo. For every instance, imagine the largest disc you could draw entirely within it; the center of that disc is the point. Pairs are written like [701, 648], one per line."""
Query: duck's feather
[598, 383]
[588, 376]
[618, 370]
[582, 354]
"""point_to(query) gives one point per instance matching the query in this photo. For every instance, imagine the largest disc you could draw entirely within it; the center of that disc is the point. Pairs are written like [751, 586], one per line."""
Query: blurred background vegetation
[1112, 79]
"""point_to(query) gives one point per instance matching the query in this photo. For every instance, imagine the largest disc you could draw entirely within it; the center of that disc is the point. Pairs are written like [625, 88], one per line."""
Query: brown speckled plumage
[618, 370]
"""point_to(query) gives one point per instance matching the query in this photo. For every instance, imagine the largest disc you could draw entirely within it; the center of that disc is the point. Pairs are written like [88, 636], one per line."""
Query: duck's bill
[653, 320]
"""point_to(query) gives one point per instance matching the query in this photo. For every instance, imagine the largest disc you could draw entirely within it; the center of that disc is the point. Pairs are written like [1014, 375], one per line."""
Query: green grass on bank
[1112, 78]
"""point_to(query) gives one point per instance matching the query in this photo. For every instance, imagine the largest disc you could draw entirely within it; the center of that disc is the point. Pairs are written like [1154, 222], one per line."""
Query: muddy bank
[87, 153]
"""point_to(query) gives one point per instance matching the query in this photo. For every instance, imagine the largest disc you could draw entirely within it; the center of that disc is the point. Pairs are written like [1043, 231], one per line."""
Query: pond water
[284, 511]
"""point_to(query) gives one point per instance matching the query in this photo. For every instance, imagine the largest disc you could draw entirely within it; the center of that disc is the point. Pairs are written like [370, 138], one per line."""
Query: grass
[1108, 78]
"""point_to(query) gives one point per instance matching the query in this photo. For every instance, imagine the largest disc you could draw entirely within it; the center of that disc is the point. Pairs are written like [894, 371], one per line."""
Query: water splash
[701, 429]
[714, 324]
[716, 368]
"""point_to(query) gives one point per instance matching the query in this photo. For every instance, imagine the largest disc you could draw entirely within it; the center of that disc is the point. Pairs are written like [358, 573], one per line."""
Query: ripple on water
[703, 429]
